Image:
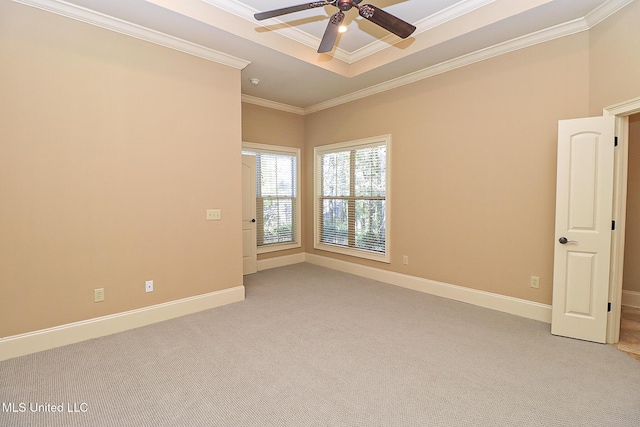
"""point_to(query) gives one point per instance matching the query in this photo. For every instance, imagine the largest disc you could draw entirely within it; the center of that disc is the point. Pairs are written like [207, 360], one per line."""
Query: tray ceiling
[281, 52]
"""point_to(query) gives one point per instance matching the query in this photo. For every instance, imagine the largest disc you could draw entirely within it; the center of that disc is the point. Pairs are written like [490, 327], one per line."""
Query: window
[277, 201]
[352, 198]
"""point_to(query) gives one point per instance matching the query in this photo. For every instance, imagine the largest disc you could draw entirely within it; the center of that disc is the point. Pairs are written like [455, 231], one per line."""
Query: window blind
[276, 198]
[352, 197]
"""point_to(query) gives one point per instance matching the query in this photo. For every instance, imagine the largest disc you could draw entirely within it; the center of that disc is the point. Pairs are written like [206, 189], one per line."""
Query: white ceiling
[367, 59]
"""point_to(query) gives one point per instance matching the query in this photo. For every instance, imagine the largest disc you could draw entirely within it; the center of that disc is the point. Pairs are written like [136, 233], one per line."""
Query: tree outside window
[351, 198]
[277, 201]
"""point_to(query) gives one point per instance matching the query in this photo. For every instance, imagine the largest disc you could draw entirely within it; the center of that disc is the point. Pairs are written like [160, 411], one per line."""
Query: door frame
[622, 111]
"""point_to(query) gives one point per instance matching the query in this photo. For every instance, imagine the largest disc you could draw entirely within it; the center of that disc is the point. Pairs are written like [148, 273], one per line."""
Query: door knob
[253, 220]
[564, 241]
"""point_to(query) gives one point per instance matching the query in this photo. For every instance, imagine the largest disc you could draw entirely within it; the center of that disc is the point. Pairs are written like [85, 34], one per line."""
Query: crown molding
[562, 30]
[238, 8]
[604, 11]
[245, 12]
[133, 30]
[568, 28]
[543, 36]
[452, 12]
[272, 104]
[110, 23]
[572, 27]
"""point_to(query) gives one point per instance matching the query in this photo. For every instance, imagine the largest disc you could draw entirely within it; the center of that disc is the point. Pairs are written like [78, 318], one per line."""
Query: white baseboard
[631, 298]
[266, 264]
[519, 307]
[32, 342]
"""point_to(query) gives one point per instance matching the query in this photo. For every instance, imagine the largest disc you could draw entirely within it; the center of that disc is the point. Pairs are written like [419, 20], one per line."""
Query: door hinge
[609, 308]
[613, 225]
[615, 141]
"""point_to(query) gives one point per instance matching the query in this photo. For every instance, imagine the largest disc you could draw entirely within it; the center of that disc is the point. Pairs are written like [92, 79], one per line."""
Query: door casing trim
[622, 111]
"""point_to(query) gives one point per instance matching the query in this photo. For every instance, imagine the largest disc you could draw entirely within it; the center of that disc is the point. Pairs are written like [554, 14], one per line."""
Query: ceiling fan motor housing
[345, 5]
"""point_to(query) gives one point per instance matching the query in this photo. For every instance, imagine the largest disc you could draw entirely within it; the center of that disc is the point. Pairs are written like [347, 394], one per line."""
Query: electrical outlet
[213, 214]
[98, 295]
[405, 259]
[535, 282]
[148, 285]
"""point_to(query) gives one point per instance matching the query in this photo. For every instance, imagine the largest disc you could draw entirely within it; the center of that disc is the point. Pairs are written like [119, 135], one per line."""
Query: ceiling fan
[374, 14]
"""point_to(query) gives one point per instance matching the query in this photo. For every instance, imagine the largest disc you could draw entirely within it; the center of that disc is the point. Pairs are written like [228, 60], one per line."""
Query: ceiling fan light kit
[369, 12]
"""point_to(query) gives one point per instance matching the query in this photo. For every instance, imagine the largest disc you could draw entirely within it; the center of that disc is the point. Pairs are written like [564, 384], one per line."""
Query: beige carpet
[315, 347]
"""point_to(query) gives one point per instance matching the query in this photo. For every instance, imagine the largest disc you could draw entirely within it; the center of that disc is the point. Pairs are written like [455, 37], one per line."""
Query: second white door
[249, 241]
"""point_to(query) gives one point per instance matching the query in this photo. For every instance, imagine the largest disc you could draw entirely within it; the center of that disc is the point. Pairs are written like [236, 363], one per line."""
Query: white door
[584, 197]
[249, 241]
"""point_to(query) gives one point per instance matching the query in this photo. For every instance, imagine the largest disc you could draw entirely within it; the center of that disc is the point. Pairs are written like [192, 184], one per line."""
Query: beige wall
[615, 78]
[474, 165]
[273, 127]
[615, 59]
[631, 278]
[474, 154]
[111, 150]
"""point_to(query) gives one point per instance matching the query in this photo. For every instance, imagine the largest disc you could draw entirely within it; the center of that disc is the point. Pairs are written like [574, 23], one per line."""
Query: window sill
[277, 247]
[354, 252]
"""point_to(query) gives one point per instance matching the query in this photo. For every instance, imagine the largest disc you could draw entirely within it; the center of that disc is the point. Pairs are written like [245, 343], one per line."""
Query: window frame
[347, 146]
[252, 147]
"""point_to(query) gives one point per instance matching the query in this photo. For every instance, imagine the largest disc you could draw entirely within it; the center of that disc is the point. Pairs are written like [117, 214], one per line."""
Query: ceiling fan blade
[331, 33]
[285, 10]
[386, 20]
